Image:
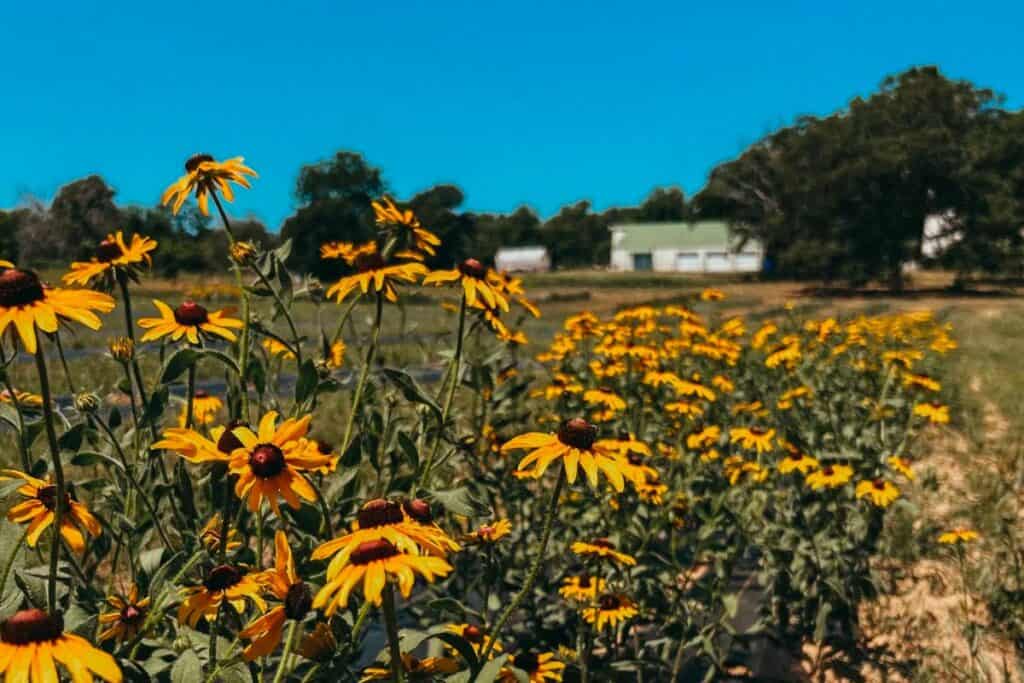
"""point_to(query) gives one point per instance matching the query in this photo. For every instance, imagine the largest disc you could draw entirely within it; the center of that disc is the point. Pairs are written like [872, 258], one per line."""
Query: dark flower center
[193, 161]
[366, 262]
[19, 288]
[31, 626]
[634, 458]
[584, 582]
[527, 661]
[298, 601]
[222, 577]
[202, 393]
[369, 551]
[108, 250]
[473, 268]
[879, 484]
[473, 634]
[609, 602]
[266, 460]
[757, 431]
[48, 497]
[603, 543]
[828, 471]
[577, 433]
[419, 510]
[323, 447]
[190, 313]
[130, 614]
[379, 512]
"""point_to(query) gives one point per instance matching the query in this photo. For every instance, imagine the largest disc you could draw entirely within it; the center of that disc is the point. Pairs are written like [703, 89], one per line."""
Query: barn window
[643, 262]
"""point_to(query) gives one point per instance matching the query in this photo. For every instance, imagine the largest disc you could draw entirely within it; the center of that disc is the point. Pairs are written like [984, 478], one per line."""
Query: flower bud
[122, 349]
[87, 402]
[243, 253]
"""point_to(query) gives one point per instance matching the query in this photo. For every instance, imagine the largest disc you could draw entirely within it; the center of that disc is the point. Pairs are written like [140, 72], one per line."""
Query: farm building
[522, 259]
[699, 247]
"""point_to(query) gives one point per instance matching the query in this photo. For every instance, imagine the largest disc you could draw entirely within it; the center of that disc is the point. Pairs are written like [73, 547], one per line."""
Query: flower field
[665, 492]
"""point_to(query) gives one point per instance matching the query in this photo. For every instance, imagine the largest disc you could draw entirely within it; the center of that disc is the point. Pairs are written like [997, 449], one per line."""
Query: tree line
[842, 197]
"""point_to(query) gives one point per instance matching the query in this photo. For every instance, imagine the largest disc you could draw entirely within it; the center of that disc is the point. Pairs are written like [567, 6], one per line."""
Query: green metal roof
[645, 237]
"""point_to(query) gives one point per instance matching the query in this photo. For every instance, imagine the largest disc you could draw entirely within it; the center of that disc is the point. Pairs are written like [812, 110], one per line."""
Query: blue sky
[542, 103]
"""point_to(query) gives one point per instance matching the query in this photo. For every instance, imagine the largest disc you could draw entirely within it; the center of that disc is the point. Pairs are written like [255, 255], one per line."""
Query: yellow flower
[602, 547]
[188, 320]
[573, 444]
[788, 398]
[797, 462]
[605, 397]
[113, 255]
[921, 381]
[39, 508]
[958, 535]
[224, 583]
[278, 348]
[901, 466]
[23, 398]
[936, 412]
[372, 563]
[371, 270]
[611, 610]
[26, 304]
[830, 476]
[32, 642]
[651, 492]
[753, 438]
[416, 670]
[127, 618]
[473, 635]
[205, 176]
[296, 601]
[582, 588]
[539, 667]
[684, 409]
[270, 462]
[472, 275]
[204, 409]
[736, 466]
[787, 354]
[705, 437]
[336, 356]
[881, 492]
[210, 536]
[723, 384]
[712, 294]
[386, 214]
[490, 533]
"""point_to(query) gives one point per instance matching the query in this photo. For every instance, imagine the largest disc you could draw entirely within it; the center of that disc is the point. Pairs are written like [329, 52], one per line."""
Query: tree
[334, 197]
[663, 205]
[576, 236]
[435, 208]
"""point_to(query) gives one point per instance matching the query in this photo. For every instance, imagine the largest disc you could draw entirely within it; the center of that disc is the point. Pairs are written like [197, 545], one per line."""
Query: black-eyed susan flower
[472, 275]
[408, 527]
[336, 355]
[958, 536]
[24, 399]
[188, 320]
[113, 255]
[204, 176]
[604, 396]
[723, 384]
[33, 642]
[27, 305]
[490, 533]
[933, 411]
[797, 461]
[373, 563]
[415, 670]
[753, 438]
[651, 491]
[708, 436]
[270, 462]
[712, 294]
[224, 583]
[127, 618]
[196, 448]
[902, 466]
[538, 666]
[387, 214]
[205, 407]
[283, 582]
[39, 508]
[278, 349]
[561, 384]
[789, 397]
[611, 610]
[474, 635]
[921, 381]
[575, 445]
[582, 588]
[373, 271]
[602, 548]
[880, 492]
[736, 467]
[829, 477]
[210, 536]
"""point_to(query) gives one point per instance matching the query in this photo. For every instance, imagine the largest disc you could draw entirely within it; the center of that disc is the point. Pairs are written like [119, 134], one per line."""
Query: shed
[697, 247]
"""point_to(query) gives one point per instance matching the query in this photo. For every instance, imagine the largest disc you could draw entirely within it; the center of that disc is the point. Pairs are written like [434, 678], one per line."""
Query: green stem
[212, 658]
[243, 341]
[259, 537]
[455, 365]
[391, 624]
[344, 318]
[289, 643]
[363, 375]
[58, 473]
[156, 611]
[22, 447]
[531, 577]
[64, 364]
[325, 524]
[191, 397]
[364, 612]
[287, 316]
[135, 483]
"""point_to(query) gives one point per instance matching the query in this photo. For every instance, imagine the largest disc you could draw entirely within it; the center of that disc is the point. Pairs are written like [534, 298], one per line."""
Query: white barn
[522, 260]
[698, 247]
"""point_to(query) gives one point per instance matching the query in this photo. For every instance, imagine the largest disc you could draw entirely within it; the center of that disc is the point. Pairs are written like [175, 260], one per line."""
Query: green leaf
[462, 646]
[411, 389]
[187, 668]
[489, 672]
[461, 502]
[12, 550]
[224, 359]
[90, 458]
[306, 384]
[409, 449]
[178, 364]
